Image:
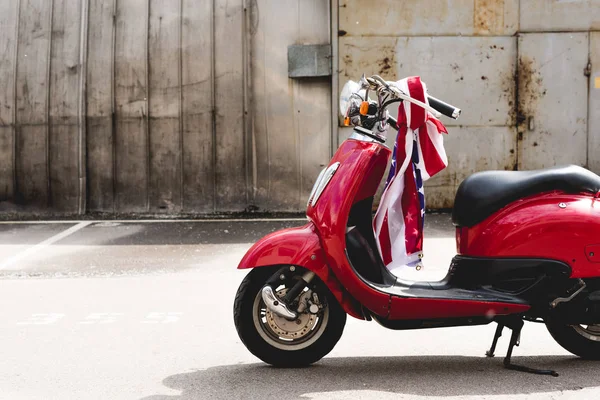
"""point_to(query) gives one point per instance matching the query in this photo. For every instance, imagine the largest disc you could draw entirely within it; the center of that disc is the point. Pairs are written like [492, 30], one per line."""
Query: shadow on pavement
[423, 376]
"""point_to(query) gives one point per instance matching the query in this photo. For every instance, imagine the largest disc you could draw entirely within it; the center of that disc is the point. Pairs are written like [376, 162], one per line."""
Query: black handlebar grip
[444, 108]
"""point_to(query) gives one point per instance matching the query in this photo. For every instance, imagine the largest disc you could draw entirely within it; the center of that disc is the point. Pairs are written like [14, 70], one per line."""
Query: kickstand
[516, 325]
[490, 352]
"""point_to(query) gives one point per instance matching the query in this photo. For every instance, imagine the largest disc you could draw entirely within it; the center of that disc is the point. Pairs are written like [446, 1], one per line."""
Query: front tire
[581, 340]
[280, 342]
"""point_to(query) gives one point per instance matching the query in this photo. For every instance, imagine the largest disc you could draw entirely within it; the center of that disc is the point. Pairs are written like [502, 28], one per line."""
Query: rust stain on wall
[488, 17]
[387, 64]
[530, 89]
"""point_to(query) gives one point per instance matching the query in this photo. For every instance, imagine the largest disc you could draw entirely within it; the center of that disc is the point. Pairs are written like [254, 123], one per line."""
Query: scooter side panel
[422, 308]
[300, 247]
[357, 177]
[554, 226]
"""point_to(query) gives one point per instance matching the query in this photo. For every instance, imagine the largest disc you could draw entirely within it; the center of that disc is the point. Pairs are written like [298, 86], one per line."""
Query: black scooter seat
[484, 193]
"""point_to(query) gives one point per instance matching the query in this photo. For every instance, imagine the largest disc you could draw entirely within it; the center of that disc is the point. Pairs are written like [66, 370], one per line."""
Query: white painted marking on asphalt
[42, 319]
[40, 246]
[162, 317]
[101, 318]
[153, 221]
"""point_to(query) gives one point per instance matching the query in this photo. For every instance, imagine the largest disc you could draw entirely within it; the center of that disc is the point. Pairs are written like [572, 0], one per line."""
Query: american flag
[418, 155]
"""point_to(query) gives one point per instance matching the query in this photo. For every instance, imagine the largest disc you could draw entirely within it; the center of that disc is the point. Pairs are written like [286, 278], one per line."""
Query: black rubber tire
[244, 323]
[572, 341]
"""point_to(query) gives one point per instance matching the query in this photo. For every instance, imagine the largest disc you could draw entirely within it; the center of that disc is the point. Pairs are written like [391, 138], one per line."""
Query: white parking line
[40, 246]
[42, 319]
[162, 317]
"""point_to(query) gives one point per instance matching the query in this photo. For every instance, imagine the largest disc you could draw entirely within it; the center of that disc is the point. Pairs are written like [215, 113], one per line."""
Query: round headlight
[348, 90]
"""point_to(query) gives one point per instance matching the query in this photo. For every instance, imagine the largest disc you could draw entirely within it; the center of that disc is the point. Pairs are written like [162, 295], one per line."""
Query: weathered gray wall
[159, 106]
[517, 68]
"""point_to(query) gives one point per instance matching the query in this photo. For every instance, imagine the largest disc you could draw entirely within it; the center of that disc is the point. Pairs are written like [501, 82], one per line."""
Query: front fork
[281, 306]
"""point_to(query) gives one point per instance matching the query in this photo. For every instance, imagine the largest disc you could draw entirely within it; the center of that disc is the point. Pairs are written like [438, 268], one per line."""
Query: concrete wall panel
[559, 15]
[165, 130]
[33, 68]
[231, 151]
[197, 111]
[475, 74]
[64, 105]
[553, 97]
[131, 106]
[428, 17]
[99, 106]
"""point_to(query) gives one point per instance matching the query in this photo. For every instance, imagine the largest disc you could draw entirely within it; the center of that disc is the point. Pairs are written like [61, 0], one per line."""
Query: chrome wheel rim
[288, 335]
[590, 332]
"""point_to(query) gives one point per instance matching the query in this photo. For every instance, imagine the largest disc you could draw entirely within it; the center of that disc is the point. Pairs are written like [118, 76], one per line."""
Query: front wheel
[581, 340]
[278, 341]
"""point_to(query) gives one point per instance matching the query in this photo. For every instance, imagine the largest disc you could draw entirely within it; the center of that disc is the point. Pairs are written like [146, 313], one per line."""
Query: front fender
[300, 247]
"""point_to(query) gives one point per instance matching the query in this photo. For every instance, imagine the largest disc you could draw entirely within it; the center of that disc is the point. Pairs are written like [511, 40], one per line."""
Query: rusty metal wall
[518, 68]
[159, 106]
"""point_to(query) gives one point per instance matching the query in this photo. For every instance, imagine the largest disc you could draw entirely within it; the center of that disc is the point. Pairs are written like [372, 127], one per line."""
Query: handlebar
[444, 108]
[436, 106]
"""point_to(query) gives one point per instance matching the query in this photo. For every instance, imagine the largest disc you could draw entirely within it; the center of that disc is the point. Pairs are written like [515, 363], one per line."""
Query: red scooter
[528, 245]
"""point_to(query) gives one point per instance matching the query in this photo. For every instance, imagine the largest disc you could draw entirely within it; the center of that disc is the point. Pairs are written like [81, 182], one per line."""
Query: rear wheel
[581, 340]
[278, 341]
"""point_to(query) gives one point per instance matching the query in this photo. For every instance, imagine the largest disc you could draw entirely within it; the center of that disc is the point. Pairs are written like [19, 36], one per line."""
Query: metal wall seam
[15, 124]
[146, 114]
[335, 83]
[113, 106]
[48, 123]
[251, 165]
[247, 90]
[82, 112]
[588, 70]
[180, 83]
[518, 136]
[213, 110]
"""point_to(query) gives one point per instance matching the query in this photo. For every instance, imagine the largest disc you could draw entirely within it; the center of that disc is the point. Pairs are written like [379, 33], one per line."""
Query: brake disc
[287, 329]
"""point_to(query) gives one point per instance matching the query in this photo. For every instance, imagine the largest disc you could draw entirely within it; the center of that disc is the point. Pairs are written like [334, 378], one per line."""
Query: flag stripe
[434, 162]
[418, 154]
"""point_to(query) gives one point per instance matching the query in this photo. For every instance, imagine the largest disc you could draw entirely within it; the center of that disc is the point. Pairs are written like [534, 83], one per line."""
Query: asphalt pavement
[143, 310]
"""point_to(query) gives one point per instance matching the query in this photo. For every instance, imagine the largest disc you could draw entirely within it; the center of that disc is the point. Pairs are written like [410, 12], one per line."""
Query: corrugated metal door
[553, 99]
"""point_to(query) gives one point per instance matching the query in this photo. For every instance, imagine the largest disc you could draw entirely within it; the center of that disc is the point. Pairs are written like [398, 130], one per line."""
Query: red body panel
[417, 308]
[299, 246]
[362, 165]
[537, 227]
